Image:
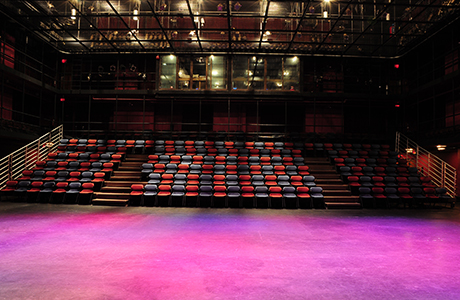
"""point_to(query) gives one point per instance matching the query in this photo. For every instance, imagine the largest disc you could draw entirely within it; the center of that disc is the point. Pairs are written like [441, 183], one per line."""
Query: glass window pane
[168, 72]
[291, 73]
[199, 73]
[217, 72]
[256, 73]
[184, 73]
[240, 73]
[274, 73]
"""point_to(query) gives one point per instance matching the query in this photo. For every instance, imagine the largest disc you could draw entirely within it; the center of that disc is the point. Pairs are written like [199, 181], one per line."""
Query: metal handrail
[441, 173]
[12, 165]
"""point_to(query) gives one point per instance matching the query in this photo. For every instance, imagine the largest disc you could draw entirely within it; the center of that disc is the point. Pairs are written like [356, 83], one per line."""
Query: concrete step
[110, 202]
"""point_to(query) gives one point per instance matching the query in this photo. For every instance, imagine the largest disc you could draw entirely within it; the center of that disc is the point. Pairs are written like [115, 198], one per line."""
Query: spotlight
[441, 147]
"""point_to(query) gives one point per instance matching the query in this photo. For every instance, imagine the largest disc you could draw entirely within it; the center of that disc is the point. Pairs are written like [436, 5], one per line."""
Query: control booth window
[269, 73]
[194, 72]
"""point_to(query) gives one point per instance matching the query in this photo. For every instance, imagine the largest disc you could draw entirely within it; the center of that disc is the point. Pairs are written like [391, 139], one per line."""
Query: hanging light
[325, 14]
[388, 17]
[135, 13]
[73, 14]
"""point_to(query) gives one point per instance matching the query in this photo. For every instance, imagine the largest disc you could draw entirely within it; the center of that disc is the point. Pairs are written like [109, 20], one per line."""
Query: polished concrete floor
[89, 252]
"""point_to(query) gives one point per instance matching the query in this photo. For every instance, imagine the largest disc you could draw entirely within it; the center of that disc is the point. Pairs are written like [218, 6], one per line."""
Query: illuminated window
[217, 72]
[168, 72]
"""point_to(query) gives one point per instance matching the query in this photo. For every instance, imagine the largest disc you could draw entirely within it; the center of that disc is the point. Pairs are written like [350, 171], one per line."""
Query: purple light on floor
[143, 253]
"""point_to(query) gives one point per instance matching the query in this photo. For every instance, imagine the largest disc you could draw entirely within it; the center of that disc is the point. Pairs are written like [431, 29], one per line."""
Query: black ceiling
[377, 28]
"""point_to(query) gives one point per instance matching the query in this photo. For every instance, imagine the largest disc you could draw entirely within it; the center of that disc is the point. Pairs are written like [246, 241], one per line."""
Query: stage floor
[95, 252]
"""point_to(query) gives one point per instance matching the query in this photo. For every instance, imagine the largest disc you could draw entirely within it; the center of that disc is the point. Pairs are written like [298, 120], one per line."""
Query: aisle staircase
[336, 193]
[116, 190]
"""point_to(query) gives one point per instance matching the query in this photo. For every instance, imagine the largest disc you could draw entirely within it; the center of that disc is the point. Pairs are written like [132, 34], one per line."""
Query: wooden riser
[332, 199]
[128, 172]
[110, 202]
[116, 189]
[336, 193]
[326, 181]
[335, 186]
[104, 195]
[344, 205]
[125, 178]
[121, 183]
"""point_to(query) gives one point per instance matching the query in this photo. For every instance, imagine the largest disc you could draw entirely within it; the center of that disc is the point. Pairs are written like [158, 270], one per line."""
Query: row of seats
[165, 146]
[346, 171]
[355, 182]
[209, 179]
[181, 150]
[71, 166]
[368, 162]
[361, 154]
[346, 146]
[402, 196]
[175, 143]
[85, 157]
[248, 196]
[70, 192]
[230, 160]
[64, 175]
[223, 169]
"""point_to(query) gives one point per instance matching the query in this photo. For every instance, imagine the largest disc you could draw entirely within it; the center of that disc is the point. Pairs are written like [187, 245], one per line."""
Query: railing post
[427, 172]
[38, 149]
[10, 167]
[443, 174]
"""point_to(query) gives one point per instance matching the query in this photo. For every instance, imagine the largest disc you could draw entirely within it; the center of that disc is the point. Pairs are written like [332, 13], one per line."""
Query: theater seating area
[223, 174]
[226, 174]
[382, 179]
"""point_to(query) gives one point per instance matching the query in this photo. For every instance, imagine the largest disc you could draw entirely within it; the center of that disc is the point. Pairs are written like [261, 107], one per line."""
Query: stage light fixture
[73, 14]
